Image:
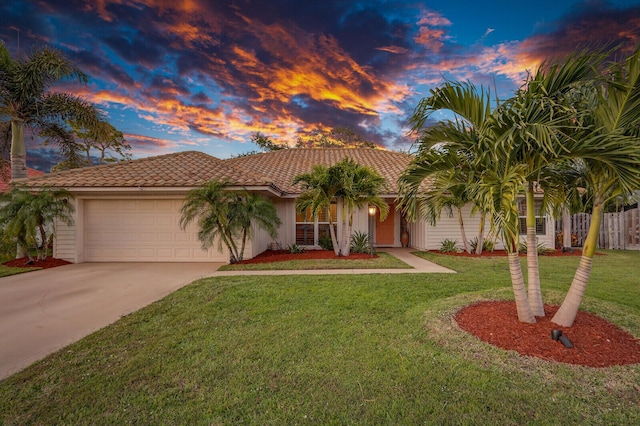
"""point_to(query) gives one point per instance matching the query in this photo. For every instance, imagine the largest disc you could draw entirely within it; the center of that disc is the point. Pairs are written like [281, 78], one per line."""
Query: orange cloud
[432, 38]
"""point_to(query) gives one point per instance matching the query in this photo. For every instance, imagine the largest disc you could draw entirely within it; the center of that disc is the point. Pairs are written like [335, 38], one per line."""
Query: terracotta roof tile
[283, 165]
[183, 169]
[189, 169]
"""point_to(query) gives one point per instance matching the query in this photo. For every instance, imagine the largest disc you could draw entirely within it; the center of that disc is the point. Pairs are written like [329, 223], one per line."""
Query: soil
[281, 255]
[597, 343]
[50, 262]
[555, 253]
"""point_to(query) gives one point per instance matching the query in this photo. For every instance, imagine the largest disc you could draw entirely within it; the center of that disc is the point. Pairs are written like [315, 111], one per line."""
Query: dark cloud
[101, 68]
[594, 25]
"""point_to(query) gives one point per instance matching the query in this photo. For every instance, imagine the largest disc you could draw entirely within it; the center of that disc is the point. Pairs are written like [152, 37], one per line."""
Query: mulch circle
[50, 262]
[597, 342]
[282, 255]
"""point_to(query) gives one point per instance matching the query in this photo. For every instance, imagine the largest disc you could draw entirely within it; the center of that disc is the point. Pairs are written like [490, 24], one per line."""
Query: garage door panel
[141, 230]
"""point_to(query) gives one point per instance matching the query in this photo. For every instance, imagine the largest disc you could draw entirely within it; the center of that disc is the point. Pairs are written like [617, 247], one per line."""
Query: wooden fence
[618, 230]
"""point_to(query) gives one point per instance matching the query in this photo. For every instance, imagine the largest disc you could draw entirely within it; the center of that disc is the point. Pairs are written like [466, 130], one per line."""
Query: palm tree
[536, 120]
[493, 181]
[226, 216]
[608, 159]
[28, 216]
[246, 209]
[346, 181]
[450, 173]
[360, 186]
[26, 100]
[320, 187]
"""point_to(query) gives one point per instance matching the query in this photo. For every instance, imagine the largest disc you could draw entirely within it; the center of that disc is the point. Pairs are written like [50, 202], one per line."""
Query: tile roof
[5, 176]
[190, 169]
[183, 169]
[283, 165]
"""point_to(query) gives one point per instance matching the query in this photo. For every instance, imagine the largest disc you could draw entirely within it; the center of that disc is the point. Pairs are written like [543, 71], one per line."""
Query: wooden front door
[385, 230]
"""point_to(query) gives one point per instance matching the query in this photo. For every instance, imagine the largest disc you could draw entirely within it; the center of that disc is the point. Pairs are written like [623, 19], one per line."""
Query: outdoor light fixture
[372, 213]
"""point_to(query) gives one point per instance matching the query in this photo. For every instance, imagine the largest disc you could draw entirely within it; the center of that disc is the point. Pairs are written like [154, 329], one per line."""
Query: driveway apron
[43, 311]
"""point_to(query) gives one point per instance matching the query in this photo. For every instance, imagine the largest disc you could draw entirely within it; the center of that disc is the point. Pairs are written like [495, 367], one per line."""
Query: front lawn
[383, 261]
[339, 349]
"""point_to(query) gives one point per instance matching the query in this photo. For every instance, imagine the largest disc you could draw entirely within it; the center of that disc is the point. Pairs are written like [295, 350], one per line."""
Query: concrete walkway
[43, 311]
[418, 264]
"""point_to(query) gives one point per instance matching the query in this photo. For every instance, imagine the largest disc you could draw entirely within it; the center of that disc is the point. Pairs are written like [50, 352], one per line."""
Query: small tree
[28, 217]
[346, 181]
[227, 216]
[77, 142]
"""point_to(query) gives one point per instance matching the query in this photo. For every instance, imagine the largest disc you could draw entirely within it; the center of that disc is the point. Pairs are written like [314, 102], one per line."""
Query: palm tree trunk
[334, 238]
[244, 242]
[567, 312]
[43, 236]
[465, 243]
[480, 235]
[347, 249]
[18, 150]
[517, 281]
[533, 274]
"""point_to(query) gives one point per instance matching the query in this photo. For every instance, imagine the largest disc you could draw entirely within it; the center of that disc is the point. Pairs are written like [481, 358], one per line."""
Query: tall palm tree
[26, 99]
[536, 120]
[493, 181]
[609, 158]
[225, 216]
[29, 216]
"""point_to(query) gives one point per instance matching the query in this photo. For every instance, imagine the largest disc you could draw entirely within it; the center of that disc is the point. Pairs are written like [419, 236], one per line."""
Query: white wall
[423, 236]
[64, 243]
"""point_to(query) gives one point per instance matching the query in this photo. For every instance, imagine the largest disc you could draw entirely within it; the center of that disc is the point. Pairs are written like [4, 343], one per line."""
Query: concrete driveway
[43, 311]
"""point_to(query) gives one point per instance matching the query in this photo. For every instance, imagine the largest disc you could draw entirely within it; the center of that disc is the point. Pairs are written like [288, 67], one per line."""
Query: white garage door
[141, 231]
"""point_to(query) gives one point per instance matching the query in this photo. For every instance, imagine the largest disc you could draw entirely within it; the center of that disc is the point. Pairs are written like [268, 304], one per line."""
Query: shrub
[295, 249]
[325, 242]
[540, 247]
[360, 242]
[487, 245]
[449, 246]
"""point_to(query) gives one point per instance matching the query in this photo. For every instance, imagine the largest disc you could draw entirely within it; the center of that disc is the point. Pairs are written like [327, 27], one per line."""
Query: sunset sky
[207, 74]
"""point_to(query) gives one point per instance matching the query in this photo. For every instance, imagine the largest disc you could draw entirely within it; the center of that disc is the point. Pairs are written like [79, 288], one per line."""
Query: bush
[7, 248]
[295, 249]
[487, 245]
[360, 242]
[540, 247]
[325, 242]
[449, 246]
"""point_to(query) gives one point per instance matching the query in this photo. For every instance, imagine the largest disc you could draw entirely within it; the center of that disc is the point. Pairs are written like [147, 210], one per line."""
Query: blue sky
[207, 74]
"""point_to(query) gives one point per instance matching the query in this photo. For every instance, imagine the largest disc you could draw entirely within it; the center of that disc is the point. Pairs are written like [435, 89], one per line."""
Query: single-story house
[130, 211]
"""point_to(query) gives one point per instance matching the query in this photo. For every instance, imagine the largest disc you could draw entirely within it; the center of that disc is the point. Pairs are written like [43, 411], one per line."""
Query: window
[541, 223]
[310, 229]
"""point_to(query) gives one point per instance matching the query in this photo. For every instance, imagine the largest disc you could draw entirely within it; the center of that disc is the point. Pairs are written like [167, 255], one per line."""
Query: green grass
[332, 350]
[383, 261]
[5, 271]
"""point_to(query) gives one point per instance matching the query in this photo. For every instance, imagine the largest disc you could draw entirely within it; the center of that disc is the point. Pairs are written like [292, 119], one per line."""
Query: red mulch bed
[555, 253]
[597, 343]
[281, 255]
[50, 262]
